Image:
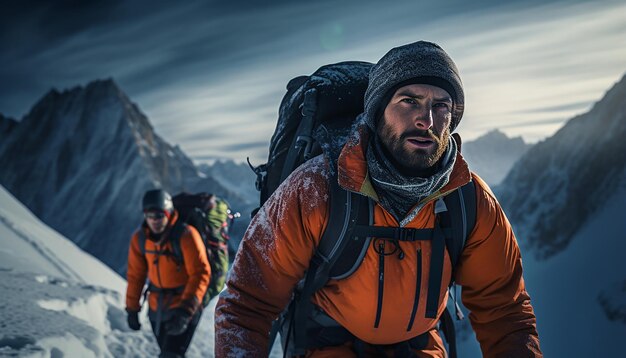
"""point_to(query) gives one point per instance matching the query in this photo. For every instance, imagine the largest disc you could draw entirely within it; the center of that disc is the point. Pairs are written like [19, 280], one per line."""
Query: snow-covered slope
[567, 289]
[28, 245]
[58, 301]
[560, 182]
[81, 161]
[493, 154]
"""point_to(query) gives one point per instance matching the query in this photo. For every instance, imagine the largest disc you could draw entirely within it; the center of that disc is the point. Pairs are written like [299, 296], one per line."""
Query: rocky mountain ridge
[561, 181]
[81, 160]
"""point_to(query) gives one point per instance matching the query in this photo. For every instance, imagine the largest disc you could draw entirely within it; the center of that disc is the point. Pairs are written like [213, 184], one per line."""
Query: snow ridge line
[43, 250]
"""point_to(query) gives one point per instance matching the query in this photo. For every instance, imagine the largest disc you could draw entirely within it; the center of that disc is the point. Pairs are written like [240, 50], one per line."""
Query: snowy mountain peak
[561, 181]
[95, 95]
[81, 160]
[493, 154]
[499, 137]
[103, 87]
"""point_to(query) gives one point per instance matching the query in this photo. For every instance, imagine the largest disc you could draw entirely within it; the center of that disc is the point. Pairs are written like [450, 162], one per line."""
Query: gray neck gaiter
[398, 193]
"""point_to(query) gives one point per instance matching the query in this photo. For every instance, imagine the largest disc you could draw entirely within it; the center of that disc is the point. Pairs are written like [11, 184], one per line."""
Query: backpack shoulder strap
[343, 214]
[461, 206]
[300, 148]
[461, 216]
[141, 237]
[177, 232]
[336, 253]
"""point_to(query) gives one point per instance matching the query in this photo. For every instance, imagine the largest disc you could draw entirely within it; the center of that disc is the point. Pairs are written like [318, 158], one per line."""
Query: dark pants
[175, 346]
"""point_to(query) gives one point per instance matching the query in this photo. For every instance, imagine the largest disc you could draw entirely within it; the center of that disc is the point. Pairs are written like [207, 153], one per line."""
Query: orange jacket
[163, 271]
[282, 238]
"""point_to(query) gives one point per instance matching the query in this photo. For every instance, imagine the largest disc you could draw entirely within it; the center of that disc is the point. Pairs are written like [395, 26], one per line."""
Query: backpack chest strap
[397, 233]
[439, 235]
[166, 291]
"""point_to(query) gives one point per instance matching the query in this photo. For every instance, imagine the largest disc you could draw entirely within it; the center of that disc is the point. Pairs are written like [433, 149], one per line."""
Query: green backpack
[220, 219]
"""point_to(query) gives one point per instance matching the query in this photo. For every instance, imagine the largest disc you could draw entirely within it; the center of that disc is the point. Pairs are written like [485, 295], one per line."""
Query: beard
[414, 161]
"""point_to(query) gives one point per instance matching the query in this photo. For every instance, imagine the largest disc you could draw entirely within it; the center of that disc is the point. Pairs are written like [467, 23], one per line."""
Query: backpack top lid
[203, 201]
[219, 212]
[204, 211]
[340, 91]
[322, 108]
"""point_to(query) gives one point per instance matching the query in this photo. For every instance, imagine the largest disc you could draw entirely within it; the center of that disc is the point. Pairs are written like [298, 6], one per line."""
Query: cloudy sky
[210, 75]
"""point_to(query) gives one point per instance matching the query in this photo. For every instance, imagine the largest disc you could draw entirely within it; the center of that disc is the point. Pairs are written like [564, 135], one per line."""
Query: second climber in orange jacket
[178, 274]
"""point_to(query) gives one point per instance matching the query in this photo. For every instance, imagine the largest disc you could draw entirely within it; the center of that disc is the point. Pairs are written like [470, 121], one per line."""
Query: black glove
[133, 320]
[179, 322]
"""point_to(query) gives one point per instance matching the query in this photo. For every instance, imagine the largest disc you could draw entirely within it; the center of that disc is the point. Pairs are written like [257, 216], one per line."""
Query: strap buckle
[304, 141]
[406, 234]
[440, 206]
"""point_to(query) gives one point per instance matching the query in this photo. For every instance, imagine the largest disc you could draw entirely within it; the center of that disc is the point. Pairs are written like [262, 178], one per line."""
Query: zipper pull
[381, 257]
[401, 253]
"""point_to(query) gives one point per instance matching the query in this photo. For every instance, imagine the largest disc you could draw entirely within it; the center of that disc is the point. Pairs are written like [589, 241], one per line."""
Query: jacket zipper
[381, 280]
[418, 285]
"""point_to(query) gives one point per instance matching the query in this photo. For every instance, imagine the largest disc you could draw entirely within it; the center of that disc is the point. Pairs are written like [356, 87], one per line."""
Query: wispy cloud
[211, 76]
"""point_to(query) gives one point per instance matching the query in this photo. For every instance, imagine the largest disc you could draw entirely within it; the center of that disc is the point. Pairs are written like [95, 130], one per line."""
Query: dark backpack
[194, 210]
[317, 110]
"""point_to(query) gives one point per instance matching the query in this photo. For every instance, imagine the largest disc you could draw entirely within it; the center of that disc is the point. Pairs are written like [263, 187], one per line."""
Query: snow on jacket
[282, 239]
[163, 271]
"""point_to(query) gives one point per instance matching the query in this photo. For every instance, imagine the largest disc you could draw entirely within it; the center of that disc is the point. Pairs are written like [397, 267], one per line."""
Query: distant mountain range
[237, 176]
[81, 160]
[493, 154]
[555, 187]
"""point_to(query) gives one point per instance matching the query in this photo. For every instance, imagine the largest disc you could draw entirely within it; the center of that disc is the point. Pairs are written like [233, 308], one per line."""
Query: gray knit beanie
[420, 62]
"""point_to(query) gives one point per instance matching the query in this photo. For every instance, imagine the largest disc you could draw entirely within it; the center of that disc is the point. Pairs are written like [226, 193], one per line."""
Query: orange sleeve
[490, 273]
[135, 274]
[275, 252]
[197, 267]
